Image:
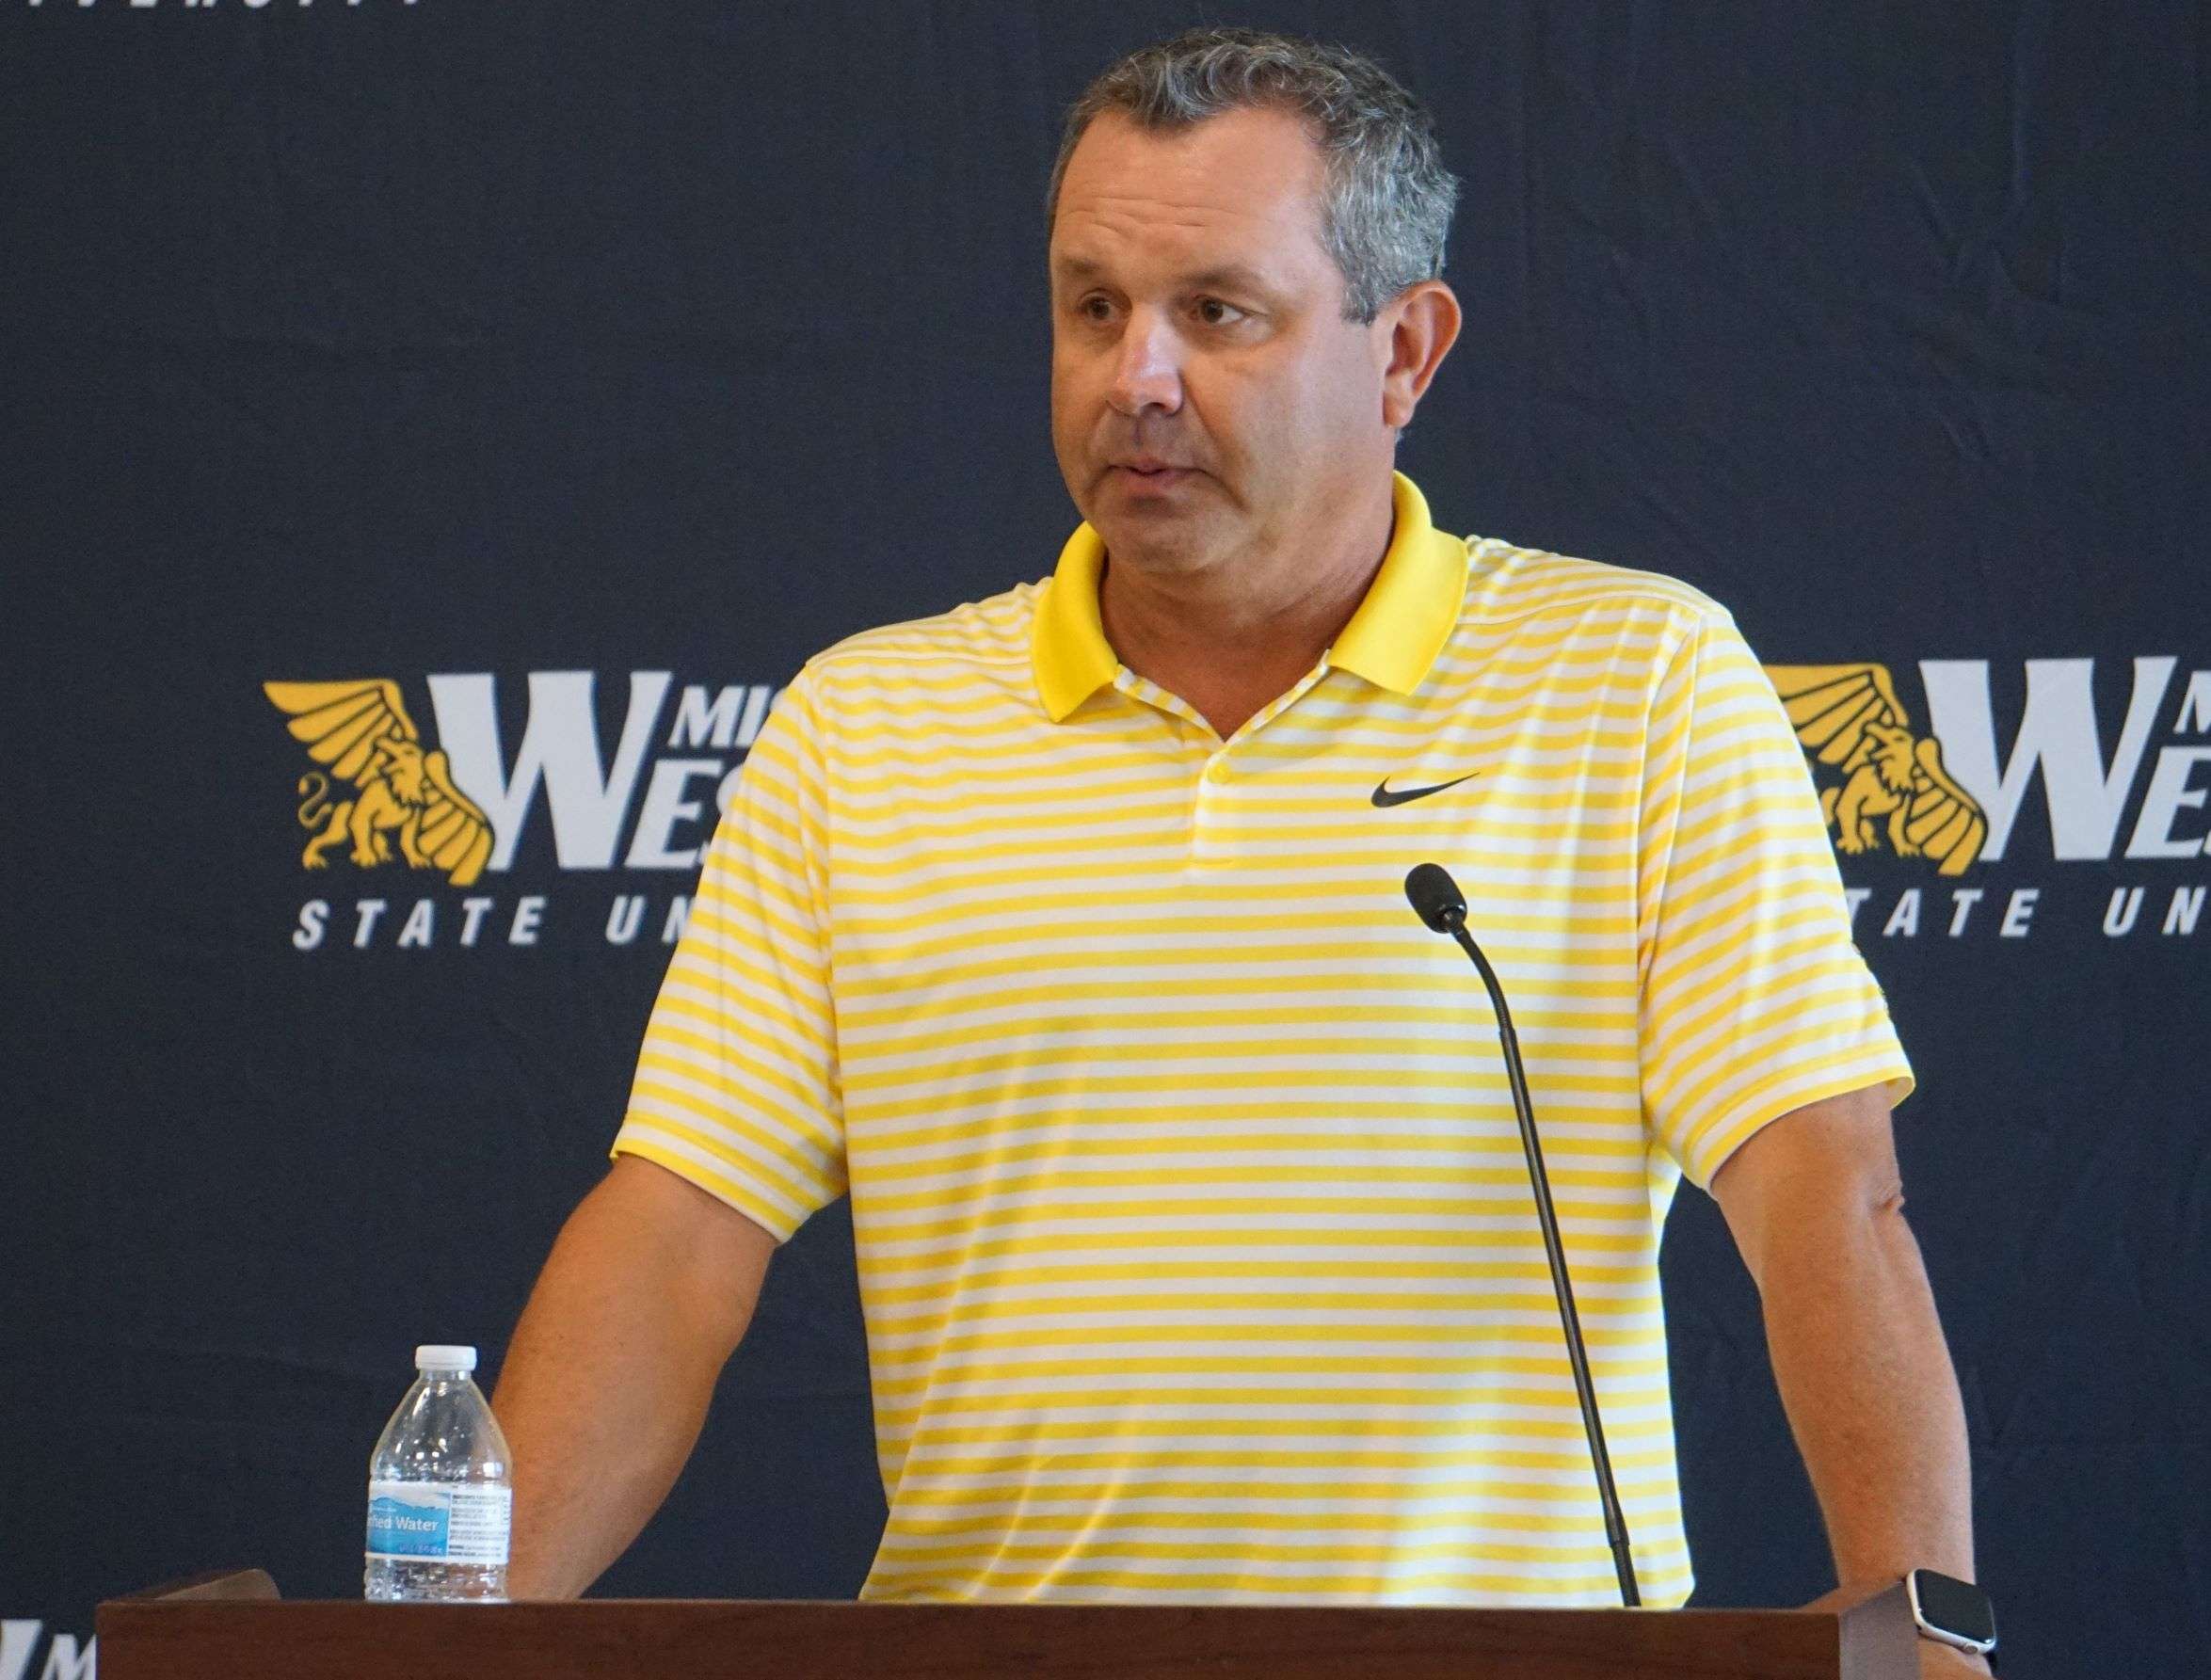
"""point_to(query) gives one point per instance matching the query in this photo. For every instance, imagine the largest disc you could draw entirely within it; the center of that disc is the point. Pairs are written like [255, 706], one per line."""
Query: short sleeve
[737, 1085]
[1753, 1001]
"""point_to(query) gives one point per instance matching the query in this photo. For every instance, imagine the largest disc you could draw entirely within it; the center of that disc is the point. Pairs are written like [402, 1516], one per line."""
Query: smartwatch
[1954, 1611]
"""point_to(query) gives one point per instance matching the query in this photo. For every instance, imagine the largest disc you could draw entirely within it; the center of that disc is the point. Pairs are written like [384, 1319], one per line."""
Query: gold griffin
[1893, 784]
[362, 733]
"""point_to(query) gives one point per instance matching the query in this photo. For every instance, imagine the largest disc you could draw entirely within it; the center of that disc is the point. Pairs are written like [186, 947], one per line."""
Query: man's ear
[1417, 329]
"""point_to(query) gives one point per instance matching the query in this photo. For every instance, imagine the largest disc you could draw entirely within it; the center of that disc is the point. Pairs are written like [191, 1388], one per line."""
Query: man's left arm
[1815, 1202]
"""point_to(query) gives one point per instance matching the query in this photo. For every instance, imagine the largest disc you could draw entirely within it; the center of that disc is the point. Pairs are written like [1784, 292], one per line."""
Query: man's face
[1209, 398]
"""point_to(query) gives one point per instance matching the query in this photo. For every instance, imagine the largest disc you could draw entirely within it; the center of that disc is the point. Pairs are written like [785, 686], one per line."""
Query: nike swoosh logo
[1385, 796]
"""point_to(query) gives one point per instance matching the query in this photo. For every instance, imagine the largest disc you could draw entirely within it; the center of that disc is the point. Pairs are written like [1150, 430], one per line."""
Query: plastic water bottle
[440, 1500]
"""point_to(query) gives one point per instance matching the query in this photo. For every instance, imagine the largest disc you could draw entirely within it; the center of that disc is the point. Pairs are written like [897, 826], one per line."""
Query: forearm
[595, 1450]
[607, 1381]
[1867, 1381]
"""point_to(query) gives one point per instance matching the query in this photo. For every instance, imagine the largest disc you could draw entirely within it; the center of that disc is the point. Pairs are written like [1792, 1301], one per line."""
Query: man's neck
[1233, 641]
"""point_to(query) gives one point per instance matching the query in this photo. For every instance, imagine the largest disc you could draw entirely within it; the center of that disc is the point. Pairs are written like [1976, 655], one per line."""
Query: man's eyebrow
[1232, 277]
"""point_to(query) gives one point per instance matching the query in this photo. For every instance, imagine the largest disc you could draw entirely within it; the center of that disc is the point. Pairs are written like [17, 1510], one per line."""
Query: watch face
[1956, 1606]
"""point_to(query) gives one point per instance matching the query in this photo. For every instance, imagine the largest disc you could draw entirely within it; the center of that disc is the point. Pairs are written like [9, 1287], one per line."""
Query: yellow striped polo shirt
[1195, 1244]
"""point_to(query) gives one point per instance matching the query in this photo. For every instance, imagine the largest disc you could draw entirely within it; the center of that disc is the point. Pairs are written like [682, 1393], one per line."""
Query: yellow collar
[1391, 640]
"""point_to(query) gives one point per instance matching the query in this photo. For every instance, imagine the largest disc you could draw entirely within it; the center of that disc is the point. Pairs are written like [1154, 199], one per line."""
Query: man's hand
[1937, 1661]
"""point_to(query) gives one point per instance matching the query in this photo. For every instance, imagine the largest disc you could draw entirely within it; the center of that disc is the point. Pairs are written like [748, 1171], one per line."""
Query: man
[1196, 1246]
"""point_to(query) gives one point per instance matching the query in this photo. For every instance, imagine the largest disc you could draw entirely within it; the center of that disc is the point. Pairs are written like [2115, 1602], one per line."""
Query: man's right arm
[606, 1385]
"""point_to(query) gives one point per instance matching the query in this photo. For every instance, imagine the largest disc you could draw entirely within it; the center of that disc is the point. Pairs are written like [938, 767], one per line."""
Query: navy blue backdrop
[581, 368]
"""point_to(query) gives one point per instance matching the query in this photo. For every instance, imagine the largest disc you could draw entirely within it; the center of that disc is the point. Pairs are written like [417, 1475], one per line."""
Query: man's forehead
[1245, 176]
[1074, 266]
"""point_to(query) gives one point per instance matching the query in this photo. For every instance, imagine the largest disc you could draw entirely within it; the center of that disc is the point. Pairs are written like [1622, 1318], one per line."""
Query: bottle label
[456, 1522]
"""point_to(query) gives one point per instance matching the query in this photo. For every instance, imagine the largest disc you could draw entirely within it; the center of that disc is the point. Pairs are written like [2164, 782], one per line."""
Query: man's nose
[1147, 369]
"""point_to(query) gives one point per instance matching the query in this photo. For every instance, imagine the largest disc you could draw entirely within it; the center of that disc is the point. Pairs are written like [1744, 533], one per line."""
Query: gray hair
[1387, 200]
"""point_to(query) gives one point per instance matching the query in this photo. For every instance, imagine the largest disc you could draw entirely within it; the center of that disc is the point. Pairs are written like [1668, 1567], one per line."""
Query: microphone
[1436, 900]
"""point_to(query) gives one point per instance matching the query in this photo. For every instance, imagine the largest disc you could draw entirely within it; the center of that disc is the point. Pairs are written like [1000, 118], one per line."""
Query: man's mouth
[1150, 473]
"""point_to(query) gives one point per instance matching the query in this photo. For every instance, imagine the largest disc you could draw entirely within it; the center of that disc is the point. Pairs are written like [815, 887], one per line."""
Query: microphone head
[1436, 896]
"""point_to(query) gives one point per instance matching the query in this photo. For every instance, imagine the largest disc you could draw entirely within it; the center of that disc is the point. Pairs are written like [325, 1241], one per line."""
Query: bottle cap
[444, 1356]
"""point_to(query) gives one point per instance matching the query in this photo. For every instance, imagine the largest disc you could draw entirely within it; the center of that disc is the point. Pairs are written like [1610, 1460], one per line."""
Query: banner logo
[443, 811]
[2131, 798]
[65, 1659]
[1893, 790]
[403, 792]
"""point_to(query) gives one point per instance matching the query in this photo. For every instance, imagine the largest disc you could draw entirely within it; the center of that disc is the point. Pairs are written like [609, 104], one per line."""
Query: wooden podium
[232, 1625]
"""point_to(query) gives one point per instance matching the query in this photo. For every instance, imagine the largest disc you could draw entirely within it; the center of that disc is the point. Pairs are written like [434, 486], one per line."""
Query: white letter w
[2057, 733]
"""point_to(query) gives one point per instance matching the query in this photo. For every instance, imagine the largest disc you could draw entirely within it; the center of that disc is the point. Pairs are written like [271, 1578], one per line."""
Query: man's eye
[1095, 309]
[1214, 312]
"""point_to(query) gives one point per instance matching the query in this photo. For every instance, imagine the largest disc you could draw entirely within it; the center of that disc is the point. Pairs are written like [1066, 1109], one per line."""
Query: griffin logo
[1893, 783]
[360, 733]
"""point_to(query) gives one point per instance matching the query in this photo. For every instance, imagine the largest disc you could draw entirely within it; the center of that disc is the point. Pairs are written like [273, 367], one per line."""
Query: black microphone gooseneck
[1437, 901]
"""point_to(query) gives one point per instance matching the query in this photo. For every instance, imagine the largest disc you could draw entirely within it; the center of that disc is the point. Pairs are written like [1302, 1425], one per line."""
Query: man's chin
[1158, 539]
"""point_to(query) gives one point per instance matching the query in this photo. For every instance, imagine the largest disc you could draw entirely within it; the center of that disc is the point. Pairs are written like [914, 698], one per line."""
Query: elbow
[1886, 1200]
